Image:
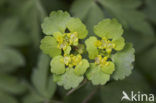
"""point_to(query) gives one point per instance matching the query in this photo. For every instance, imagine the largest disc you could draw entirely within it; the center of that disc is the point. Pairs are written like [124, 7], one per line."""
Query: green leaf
[150, 10]
[123, 62]
[14, 36]
[119, 43]
[133, 19]
[56, 22]
[40, 79]
[82, 67]
[146, 62]
[51, 87]
[88, 11]
[75, 25]
[109, 68]
[108, 28]
[94, 16]
[140, 42]
[30, 16]
[39, 76]
[69, 79]
[80, 8]
[57, 65]
[91, 48]
[49, 46]
[6, 98]
[96, 75]
[11, 84]
[10, 59]
[33, 97]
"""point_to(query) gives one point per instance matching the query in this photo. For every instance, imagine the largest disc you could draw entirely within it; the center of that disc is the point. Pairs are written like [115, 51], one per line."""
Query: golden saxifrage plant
[76, 55]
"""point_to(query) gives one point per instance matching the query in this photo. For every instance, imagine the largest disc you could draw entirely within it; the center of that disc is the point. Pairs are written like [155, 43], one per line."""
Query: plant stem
[89, 97]
[73, 90]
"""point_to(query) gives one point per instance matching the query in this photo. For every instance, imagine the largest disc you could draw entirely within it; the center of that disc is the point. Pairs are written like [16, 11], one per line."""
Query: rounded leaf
[81, 68]
[123, 62]
[108, 28]
[49, 46]
[57, 66]
[69, 79]
[108, 68]
[119, 43]
[96, 75]
[91, 48]
[75, 25]
[56, 22]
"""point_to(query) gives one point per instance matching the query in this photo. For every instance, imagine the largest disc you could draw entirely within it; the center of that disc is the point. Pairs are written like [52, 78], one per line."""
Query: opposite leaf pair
[65, 45]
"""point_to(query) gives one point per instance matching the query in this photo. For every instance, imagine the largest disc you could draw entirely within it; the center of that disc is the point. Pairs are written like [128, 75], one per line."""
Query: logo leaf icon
[125, 96]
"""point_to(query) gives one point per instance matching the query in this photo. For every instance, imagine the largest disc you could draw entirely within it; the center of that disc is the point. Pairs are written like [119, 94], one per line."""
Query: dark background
[24, 70]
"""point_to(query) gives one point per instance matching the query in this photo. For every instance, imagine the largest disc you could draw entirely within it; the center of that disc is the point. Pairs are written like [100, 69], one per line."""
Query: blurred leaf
[150, 9]
[113, 90]
[55, 5]
[146, 62]
[14, 36]
[140, 42]
[33, 98]
[126, 11]
[11, 84]
[31, 16]
[40, 78]
[10, 59]
[6, 98]
[123, 62]
[88, 11]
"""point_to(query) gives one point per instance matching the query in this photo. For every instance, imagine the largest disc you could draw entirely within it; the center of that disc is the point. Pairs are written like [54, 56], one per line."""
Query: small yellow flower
[98, 43]
[72, 60]
[67, 60]
[101, 60]
[76, 59]
[98, 59]
[105, 44]
[67, 39]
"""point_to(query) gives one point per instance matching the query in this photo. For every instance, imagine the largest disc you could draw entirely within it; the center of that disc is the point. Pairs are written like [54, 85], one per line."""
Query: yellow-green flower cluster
[67, 39]
[62, 43]
[71, 60]
[106, 44]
